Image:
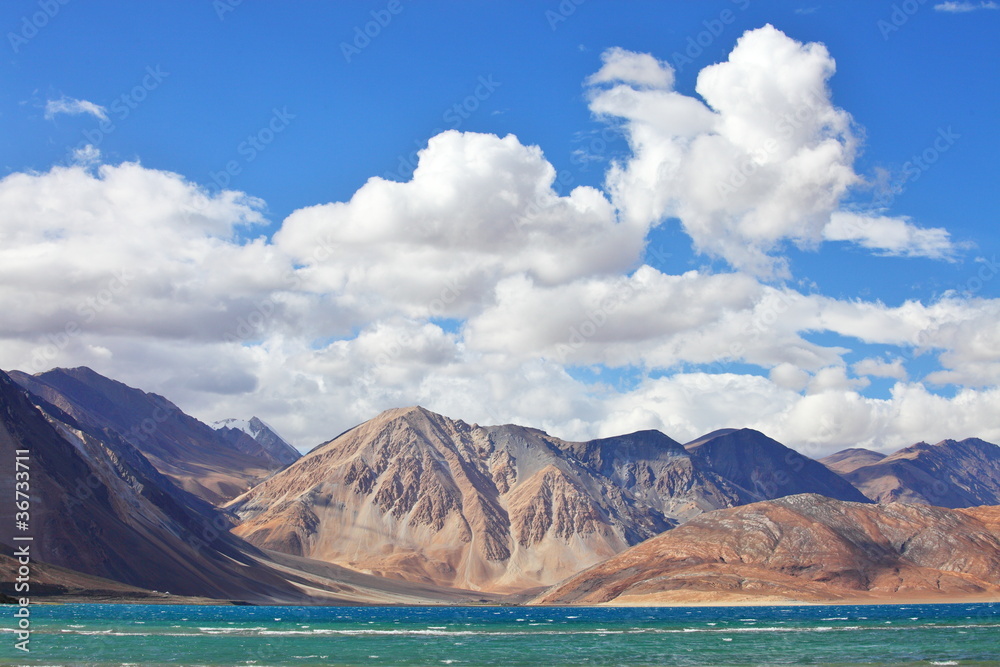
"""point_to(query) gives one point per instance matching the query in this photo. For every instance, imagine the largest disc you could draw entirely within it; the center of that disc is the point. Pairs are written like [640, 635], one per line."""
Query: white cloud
[87, 156]
[686, 406]
[893, 236]
[641, 69]
[478, 209]
[964, 330]
[819, 424]
[834, 379]
[880, 368]
[346, 310]
[764, 159]
[116, 250]
[228, 328]
[963, 7]
[789, 376]
[650, 319]
[71, 106]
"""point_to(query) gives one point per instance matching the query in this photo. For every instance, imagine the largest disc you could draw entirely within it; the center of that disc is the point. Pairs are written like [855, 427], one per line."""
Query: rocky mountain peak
[847, 460]
[191, 453]
[257, 438]
[417, 495]
[950, 473]
[767, 469]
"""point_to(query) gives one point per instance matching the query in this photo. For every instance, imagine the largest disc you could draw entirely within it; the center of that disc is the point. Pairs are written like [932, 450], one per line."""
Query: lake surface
[88, 634]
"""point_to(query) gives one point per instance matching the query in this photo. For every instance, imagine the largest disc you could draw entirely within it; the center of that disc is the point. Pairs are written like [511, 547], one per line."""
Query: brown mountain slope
[98, 508]
[849, 460]
[194, 455]
[949, 474]
[415, 495]
[804, 547]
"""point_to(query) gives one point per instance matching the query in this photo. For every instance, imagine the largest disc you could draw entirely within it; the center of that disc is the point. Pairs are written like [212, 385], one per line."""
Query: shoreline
[208, 602]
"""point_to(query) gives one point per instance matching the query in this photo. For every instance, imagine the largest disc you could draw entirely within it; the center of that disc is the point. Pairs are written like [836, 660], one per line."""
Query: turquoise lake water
[965, 634]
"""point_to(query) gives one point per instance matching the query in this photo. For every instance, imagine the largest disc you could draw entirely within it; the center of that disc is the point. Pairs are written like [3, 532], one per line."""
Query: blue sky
[302, 112]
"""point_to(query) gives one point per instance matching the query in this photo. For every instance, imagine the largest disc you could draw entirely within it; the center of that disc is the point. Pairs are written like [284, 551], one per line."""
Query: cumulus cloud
[284, 328]
[117, 250]
[478, 209]
[478, 290]
[963, 330]
[686, 406]
[892, 236]
[650, 319]
[762, 159]
[789, 376]
[880, 368]
[834, 379]
[964, 7]
[641, 69]
[73, 107]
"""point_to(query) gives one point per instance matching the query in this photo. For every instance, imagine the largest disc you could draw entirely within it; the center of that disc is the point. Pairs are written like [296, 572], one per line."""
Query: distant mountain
[100, 508]
[658, 471]
[804, 547]
[709, 436]
[256, 438]
[413, 508]
[193, 454]
[849, 460]
[951, 473]
[415, 495]
[107, 525]
[767, 469]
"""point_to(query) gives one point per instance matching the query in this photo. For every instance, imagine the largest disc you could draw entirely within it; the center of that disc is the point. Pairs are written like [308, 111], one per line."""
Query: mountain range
[256, 438]
[803, 547]
[200, 459]
[413, 507]
[950, 473]
[415, 495]
[100, 510]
